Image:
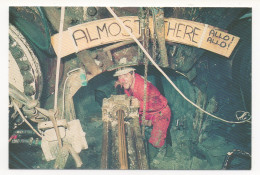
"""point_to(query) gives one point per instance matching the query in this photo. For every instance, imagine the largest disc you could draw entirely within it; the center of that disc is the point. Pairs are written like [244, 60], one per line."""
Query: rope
[243, 116]
[58, 57]
[57, 76]
[164, 74]
[26, 121]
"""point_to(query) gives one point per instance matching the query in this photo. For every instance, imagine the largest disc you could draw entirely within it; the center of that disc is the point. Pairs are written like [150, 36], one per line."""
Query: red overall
[157, 109]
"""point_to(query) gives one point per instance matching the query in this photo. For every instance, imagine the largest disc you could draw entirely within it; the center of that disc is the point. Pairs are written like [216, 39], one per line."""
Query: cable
[63, 98]
[243, 116]
[21, 114]
[163, 73]
[59, 57]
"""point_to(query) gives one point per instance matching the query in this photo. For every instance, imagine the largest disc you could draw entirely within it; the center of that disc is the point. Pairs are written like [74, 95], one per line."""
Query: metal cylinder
[122, 140]
[92, 11]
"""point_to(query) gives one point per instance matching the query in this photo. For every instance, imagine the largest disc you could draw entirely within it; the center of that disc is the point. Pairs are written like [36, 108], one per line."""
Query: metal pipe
[59, 57]
[121, 140]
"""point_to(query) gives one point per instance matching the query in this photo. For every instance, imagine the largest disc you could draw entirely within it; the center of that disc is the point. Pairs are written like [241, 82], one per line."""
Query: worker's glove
[135, 102]
[147, 122]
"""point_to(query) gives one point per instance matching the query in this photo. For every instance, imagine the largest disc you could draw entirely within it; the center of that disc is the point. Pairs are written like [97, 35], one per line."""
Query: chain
[154, 36]
[141, 17]
[146, 46]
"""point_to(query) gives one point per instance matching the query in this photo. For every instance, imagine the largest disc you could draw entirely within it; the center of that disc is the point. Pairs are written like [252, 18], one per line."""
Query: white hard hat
[123, 70]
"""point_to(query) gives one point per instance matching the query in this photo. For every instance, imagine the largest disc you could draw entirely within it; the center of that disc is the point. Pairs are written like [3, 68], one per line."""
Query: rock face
[191, 130]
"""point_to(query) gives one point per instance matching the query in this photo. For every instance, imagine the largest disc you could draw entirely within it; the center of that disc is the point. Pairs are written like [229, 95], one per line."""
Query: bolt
[24, 67]
[28, 78]
[92, 11]
[28, 90]
[16, 52]
[13, 44]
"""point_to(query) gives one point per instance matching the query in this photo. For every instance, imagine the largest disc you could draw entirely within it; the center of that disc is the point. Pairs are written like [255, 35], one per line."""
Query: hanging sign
[105, 31]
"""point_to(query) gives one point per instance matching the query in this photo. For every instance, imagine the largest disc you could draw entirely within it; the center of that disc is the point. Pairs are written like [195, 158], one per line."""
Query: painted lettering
[104, 28]
[219, 39]
[82, 36]
[223, 44]
[90, 36]
[169, 28]
[231, 42]
[211, 40]
[127, 27]
[226, 37]
[215, 42]
[194, 34]
[101, 32]
[180, 24]
[218, 34]
[188, 32]
[139, 27]
[212, 32]
[116, 32]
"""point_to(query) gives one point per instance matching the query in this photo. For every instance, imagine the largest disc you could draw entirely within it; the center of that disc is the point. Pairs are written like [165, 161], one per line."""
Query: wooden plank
[105, 147]
[200, 35]
[219, 42]
[105, 31]
[121, 140]
[95, 33]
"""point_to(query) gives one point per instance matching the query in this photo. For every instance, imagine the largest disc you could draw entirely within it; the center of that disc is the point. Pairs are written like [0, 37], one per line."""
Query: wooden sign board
[105, 31]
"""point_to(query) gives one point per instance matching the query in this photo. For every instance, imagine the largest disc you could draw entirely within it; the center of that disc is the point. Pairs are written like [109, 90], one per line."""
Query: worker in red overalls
[158, 113]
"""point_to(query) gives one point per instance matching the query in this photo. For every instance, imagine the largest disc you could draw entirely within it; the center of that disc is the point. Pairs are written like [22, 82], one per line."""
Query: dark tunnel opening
[183, 129]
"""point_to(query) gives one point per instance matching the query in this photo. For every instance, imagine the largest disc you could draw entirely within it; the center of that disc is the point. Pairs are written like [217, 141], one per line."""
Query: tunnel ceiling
[38, 24]
[179, 57]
